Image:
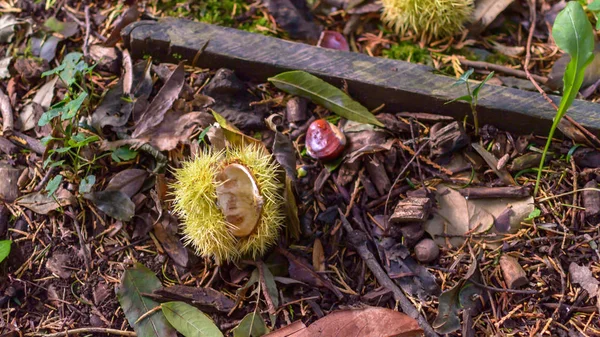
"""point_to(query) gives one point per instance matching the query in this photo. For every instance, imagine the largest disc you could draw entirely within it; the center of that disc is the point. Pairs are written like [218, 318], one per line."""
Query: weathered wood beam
[402, 86]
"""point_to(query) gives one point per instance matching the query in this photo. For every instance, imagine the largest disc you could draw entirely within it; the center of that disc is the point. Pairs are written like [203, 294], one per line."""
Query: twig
[86, 330]
[7, 113]
[86, 40]
[504, 290]
[501, 69]
[358, 240]
[46, 178]
[414, 156]
[265, 290]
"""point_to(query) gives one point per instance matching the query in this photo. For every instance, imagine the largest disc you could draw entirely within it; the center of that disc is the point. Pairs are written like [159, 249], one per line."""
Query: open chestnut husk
[324, 141]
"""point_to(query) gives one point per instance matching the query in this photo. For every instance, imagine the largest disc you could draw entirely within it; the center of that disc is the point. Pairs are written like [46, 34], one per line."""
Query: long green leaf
[573, 33]
[190, 321]
[303, 84]
[135, 282]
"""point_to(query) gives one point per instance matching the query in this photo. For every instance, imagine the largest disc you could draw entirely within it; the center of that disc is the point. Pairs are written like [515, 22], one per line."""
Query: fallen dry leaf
[127, 181]
[42, 203]
[162, 102]
[371, 321]
[166, 233]
[583, 276]
[457, 215]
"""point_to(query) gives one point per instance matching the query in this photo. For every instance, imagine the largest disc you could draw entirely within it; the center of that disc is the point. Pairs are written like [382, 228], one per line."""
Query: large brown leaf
[371, 321]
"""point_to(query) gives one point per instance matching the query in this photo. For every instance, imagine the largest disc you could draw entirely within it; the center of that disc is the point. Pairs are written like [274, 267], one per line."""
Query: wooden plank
[402, 86]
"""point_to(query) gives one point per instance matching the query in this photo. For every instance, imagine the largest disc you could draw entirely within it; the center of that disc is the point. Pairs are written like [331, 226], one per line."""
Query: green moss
[217, 12]
[407, 51]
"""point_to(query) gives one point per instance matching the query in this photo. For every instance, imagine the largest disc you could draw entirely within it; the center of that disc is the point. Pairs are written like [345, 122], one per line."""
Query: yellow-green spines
[428, 18]
[204, 225]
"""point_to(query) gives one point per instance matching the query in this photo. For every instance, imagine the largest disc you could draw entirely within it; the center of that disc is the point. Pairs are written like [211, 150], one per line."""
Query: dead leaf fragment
[166, 232]
[162, 102]
[56, 264]
[42, 203]
[370, 321]
[127, 181]
[458, 215]
[583, 276]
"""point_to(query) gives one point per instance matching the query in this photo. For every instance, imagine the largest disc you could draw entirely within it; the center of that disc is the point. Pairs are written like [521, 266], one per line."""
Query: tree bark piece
[513, 273]
[7, 147]
[591, 202]
[449, 138]
[411, 209]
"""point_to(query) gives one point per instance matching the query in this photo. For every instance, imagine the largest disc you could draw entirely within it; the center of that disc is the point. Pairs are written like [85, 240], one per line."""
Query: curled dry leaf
[166, 232]
[458, 215]
[370, 321]
[162, 102]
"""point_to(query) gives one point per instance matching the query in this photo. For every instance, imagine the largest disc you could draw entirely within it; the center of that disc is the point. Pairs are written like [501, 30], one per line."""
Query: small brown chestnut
[324, 140]
[333, 40]
[427, 250]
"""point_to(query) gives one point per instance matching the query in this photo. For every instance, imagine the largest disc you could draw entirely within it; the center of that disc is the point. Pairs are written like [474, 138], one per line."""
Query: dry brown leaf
[42, 203]
[457, 215]
[370, 321]
[318, 256]
[176, 128]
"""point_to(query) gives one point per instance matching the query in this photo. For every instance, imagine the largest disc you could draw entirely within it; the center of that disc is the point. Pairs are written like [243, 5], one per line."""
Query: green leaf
[480, 85]
[123, 153]
[573, 33]
[466, 98]
[115, 204]
[86, 184]
[4, 249]
[48, 116]
[303, 84]
[135, 282]
[251, 326]
[54, 184]
[189, 321]
[594, 6]
[464, 78]
[71, 108]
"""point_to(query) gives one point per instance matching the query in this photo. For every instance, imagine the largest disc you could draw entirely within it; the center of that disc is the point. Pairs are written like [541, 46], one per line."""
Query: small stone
[427, 250]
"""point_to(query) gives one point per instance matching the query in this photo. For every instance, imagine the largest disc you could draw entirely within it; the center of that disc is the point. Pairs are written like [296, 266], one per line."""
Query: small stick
[86, 330]
[501, 69]
[86, 40]
[359, 240]
[504, 290]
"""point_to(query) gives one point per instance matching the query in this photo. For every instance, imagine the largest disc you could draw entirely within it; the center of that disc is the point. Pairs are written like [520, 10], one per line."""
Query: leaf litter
[151, 110]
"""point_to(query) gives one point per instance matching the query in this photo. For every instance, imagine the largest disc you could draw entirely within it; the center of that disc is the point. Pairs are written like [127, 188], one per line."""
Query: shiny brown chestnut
[324, 141]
